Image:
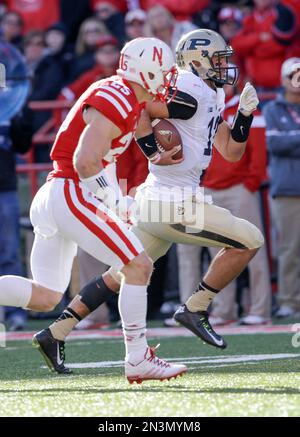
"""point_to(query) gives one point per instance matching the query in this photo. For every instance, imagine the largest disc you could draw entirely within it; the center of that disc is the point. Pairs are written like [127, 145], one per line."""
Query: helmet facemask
[221, 72]
[170, 79]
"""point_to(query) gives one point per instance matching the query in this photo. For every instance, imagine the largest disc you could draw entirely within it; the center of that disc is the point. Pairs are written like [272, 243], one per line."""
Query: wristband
[241, 127]
[148, 145]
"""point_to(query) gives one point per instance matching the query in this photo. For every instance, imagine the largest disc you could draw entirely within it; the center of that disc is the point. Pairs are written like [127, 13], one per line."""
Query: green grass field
[257, 375]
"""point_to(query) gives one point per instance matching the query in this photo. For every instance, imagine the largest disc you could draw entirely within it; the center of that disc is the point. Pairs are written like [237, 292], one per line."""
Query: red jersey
[116, 100]
[263, 60]
[36, 14]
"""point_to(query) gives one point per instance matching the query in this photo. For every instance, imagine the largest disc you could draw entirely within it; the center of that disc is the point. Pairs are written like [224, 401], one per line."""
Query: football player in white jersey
[170, 205]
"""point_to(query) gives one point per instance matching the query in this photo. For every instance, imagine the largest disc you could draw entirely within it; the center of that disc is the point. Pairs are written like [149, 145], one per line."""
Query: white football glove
[248, 100]
[126, 209]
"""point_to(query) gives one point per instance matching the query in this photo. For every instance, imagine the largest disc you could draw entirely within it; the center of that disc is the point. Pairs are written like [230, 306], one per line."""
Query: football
[167, 135]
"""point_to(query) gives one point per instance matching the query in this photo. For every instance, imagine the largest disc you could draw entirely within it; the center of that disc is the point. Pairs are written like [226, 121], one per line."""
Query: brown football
[167, 135]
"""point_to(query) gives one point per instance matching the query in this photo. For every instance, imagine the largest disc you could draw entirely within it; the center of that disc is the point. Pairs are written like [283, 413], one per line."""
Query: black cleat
[199, 324]
[52, 350]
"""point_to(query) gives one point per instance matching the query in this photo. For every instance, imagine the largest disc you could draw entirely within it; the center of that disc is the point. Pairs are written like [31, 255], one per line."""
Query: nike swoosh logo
[147, 145]
[59, 360]
[242, 130]
[218, 342]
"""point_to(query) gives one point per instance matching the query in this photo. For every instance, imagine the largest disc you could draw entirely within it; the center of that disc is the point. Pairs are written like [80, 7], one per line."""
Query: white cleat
[152, 368]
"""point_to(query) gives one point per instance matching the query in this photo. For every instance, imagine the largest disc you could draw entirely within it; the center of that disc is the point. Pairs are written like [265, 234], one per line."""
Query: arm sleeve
[182, 106]
[280, 142]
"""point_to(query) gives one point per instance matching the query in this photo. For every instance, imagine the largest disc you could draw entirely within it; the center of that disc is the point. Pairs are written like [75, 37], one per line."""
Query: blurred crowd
[68, 44]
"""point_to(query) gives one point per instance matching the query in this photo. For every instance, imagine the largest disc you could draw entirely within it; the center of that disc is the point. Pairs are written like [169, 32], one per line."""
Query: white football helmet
[206, 54]
[150, 63]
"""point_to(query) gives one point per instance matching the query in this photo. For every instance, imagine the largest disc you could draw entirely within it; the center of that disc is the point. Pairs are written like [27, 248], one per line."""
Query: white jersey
[197, 136]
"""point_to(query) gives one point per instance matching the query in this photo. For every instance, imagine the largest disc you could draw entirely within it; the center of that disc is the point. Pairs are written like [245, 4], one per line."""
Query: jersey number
[212, 129]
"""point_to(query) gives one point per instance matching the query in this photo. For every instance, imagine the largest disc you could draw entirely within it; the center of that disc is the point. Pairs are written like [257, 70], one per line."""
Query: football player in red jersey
[66, 212]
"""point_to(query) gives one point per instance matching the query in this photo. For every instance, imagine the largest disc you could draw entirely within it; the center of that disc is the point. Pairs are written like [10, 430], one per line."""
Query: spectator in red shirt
[262, 43]
[36, 14]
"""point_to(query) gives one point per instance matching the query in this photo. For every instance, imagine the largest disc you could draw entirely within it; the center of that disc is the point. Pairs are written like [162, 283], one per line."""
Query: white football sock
[133, 310]
[15, 291]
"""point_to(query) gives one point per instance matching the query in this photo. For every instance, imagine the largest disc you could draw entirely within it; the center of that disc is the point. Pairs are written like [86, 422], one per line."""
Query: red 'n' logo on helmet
[159, 54]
